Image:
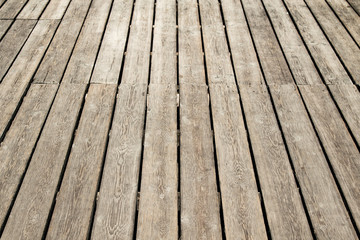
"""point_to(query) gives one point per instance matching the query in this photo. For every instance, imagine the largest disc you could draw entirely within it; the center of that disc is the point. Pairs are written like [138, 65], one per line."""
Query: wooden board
[200, 210]
[18, 145]
[324, 56]
[32, 9]
[18, 77]
[326, 209]
[355, 5]
[158, 206]
[56, 58]
[348, 97]
[339, 146]
[56, 9]
[343, 44]
[4, 26]
[42, 177]
[84, 54]
[348, 17]
[11, 8]
[299, 60]
[111, 54]
[285, 214]
[246, 63]
[116, 206]
[76, 198]
[11, 44]
[271, 57]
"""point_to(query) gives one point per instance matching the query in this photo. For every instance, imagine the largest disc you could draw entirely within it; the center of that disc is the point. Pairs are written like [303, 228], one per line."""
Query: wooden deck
[169, 119]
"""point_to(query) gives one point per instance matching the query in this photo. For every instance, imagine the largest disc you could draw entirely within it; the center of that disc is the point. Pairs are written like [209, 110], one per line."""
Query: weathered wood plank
[56, 9]
[115, 211]
[348, 98]
[18, 77]
[355, 5]
[241, 206]
[320, 49]
[33, 204]
[19, 142]
[4, 26]
[56, 58]
[200, 213]
[74, 203]
[110, 58]
[11, 8]
[158, 206]
[348, 17]
[246, 64]
[286, 216]
[84, 54]
[326, 208]
[271, 57]
[343, 44]
[11, 44]
[300, 63]
[339, 146]
[32, 9]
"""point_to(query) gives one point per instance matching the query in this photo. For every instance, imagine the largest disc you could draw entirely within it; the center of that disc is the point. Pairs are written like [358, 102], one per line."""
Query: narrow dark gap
[281, 130]
[358, 13]
[256, 174]
[312, 123]
[46, 5]
[7, 30]
[3, 3]
[145, 119]
[342, 23]
[218, 187]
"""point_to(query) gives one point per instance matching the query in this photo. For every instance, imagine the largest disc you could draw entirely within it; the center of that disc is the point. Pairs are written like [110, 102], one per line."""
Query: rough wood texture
[18, 77]
[115, 212]
[246, 64]
[4, 25]
[158, 206]
[11, 44]
[33, 204]
[320, 49]
[19, 142]
[348, 97]
[271, 57]
[11, 8]
[326, 209]
[343, 44]
[56, 9]
[355, 5]
[74, 203]
[348, 17]
[110, 58]
[32, 9]
[56, 58]
[338, 144]
[300, 63]
[200, 213]
[285, 214]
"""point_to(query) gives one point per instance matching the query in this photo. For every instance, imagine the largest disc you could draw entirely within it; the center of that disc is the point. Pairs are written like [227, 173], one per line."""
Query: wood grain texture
[158, 206]
[18, 77]
[32, 9]
[355, 5]
[56, 9]
[326, 208]
[200, 213]
[19, 142]
[31, 209]
[116, 207]
[74, 203]
[343, 44]
[299, 60]
[339, 146]
[285, 214]
[4, 26]
[246, 64]
[347, 16]
[11, 44]
[56, 58]
[324, 56]
[348, 97]
[11, 8]
[271, 57]
[111, 55]
[84, 54]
